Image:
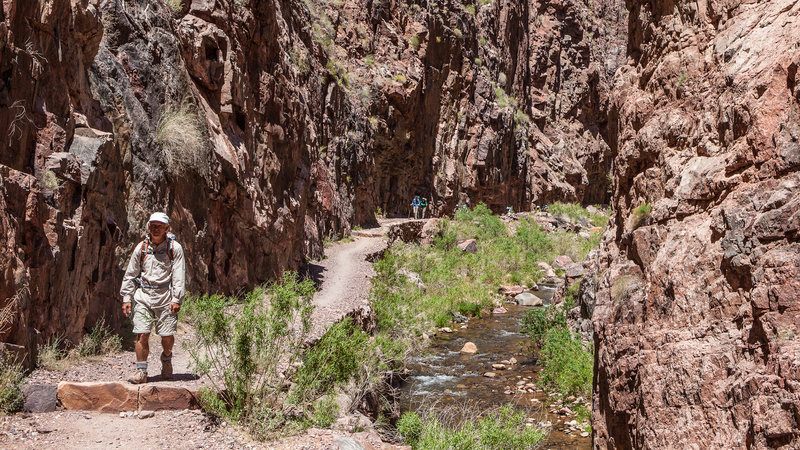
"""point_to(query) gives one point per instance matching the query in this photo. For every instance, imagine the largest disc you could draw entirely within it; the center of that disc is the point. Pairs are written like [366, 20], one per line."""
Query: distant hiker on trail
[415, 206]
[424, 205]
[156, 279]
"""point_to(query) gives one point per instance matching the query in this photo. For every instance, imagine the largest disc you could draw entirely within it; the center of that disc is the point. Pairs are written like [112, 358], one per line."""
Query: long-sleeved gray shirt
[169, 278]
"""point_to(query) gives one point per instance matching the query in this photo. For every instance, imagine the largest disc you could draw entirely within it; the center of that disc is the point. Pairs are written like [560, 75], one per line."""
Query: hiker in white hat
[156, 280]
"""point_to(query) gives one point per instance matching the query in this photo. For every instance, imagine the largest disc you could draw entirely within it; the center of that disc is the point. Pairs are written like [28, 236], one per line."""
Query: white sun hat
[159, 217]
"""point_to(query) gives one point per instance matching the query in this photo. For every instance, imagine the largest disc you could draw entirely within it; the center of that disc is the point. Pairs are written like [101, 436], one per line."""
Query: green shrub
[470, 9]
[537, 322]
[244, 344]
[566, 363]
[335, 359]
[369, 60]
[50, 355]
[414, 41]
[325, 411]
[468, 309]
[501, 429]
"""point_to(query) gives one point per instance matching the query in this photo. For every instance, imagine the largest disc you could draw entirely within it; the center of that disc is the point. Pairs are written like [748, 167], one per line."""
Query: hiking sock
[141, 365]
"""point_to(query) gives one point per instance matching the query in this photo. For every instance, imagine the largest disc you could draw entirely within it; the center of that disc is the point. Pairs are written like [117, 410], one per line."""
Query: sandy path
[343, 277]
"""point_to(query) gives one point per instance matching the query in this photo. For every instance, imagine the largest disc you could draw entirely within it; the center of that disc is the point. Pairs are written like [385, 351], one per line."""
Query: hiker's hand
[174, 307]
[126, 309]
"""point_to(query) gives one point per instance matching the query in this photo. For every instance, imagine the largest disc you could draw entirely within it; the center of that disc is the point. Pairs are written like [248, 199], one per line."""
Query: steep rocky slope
[263, 126]
[697, 315]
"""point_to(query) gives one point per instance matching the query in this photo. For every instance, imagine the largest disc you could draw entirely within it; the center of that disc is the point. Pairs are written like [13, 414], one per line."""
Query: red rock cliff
[696, 320]
[263, 126]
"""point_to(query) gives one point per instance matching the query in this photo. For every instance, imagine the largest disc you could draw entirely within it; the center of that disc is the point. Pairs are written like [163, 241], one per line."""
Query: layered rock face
[696, 318]
[263, 126]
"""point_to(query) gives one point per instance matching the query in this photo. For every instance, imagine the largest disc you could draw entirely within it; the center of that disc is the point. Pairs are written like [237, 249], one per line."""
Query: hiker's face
[157, 230]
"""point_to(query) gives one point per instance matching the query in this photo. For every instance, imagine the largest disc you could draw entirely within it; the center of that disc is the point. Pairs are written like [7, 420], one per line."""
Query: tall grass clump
[180, 136]
[501, 429]
[244, 345]
[11, 372]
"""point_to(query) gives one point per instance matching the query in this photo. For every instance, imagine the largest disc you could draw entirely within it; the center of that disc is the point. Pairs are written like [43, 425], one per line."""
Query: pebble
[498, 366]
[146, 414]
[122, 414]
[512, 360]
[490, 374]
[585, 434]
[446, 330]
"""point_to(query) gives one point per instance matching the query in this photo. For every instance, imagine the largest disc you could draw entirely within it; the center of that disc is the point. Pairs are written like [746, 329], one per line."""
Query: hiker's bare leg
[143, 347]
[166, 343]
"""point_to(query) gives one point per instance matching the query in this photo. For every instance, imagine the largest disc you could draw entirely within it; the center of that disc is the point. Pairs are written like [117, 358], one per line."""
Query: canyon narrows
[265, 127]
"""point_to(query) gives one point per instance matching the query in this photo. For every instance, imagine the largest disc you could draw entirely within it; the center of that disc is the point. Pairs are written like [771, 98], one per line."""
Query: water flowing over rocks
[696, 309]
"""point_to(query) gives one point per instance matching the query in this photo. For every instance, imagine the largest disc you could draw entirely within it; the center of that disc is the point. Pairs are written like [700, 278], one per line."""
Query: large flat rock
[99, 396]
[158, 397]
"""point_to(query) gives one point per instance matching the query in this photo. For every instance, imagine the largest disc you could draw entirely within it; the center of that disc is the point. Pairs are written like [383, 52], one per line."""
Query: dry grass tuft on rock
[639, 216]
[180, 136]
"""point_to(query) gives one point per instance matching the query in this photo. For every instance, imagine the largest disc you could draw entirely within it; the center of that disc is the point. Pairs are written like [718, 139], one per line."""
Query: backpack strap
[145, 246]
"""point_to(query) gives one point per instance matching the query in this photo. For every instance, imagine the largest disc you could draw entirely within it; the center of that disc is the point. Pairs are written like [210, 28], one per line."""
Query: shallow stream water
[444, 379]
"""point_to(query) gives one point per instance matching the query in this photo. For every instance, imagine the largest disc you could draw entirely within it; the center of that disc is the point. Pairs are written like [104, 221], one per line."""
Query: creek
[449, 382]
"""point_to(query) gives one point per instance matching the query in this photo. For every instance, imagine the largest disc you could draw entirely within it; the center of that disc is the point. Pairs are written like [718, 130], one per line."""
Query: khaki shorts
[144, 316]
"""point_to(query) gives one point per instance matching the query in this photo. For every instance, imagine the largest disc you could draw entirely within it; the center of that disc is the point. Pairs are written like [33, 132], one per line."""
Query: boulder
[548, 271]
[40, 397]
[98, 396]
[469, 246]
[528, 299]
[574, 270]
[159, 397]
[469, 348]
[562, 261]
[511, 291]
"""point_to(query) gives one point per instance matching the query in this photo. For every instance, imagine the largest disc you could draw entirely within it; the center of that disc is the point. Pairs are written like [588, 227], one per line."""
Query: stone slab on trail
[117, 397]
[157, 398]
[99, 396]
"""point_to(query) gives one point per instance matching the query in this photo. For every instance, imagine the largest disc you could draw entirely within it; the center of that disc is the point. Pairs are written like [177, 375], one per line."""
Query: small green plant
[576, 212]
[639, 216]
[520, 118]
[485, 2]
[682, 79]
[470, 9]
[414, 41]
[51, 354]
[400, 78]
[438, 39]
[458, 33]
[175, 5]
[482, 40]
[378, 211]
[369, 60]
[478, 62]
[537, 322]
[49, 180]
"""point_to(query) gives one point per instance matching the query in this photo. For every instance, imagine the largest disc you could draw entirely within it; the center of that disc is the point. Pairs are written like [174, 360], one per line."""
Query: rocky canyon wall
[263, 126]
[696, 319]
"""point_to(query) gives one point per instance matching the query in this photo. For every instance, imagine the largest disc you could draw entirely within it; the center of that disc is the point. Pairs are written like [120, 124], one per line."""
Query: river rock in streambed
[469, 348]
[528, 299]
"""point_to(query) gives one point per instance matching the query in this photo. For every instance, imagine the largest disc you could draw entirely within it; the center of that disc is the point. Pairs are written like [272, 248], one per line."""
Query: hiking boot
[166, 367]
[139, 377]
